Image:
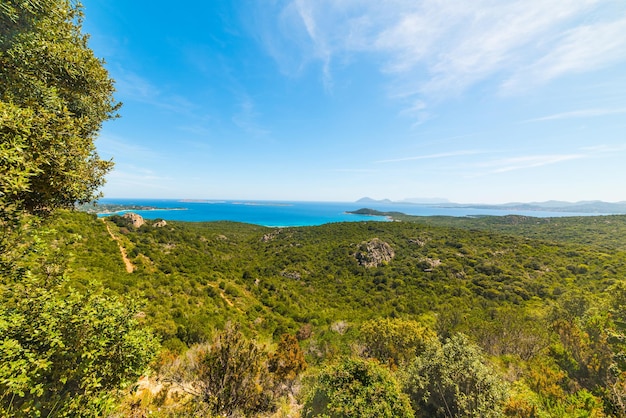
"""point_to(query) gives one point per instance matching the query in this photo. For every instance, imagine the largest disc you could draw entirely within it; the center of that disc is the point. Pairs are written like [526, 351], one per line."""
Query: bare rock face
[374, 253]
[270, 236]
[135, 220]
[159, 224]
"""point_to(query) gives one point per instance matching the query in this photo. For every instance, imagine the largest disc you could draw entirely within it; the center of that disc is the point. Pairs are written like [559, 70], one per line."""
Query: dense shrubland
[540, 319]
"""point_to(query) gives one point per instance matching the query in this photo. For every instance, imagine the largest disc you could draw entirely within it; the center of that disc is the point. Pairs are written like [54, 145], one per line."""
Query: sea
[286, 213]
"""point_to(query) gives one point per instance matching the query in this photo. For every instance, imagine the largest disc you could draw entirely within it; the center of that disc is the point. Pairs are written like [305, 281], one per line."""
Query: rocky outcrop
[428, 264]
[291, 275]
[133, 219]
[270, 236]
[417, 241]
[159, 224]
[374, 253]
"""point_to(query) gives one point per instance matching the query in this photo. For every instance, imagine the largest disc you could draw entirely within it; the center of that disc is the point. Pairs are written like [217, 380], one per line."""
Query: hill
[503, 281]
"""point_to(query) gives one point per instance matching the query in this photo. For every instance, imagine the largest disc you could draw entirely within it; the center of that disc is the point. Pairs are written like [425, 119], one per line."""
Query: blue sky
[477, 101]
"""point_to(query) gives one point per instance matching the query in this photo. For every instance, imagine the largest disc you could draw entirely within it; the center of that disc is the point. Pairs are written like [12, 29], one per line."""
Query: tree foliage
[395, 341]
[63, 352]
[453, 380]
[356, 388]
[54, 96]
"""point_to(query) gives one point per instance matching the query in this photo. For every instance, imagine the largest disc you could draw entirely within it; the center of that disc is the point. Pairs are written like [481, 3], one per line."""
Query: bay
[286, 213]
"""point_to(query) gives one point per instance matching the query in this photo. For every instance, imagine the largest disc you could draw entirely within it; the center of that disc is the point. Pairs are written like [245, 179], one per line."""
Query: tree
[356, 388]
[63, 353]
[54, 96]
[452, 380]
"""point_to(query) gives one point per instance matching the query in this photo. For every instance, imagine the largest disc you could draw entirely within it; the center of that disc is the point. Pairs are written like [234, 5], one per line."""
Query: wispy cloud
[431, 49]
[127, 177]
[353, 170]
[430, 156]
[247, 116]
[525, 162]
[577, 50]
[585, 113]
[603, 148]
[109, 145]
[131, 86]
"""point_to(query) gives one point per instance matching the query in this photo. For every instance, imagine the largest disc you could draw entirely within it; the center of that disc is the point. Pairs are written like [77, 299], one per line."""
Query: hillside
[292, 276]
[504, 282]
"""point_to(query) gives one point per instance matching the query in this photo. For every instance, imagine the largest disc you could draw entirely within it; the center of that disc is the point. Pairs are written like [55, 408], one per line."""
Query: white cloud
[436, 48]
[526, 162]
[585, 113]
[133, 86]
[112, 145]
[603, 148]
[129, 177]
[577, 50]
[430, 156]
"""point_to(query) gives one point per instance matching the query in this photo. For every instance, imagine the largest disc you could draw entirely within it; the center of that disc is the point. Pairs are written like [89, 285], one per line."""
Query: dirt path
[228, 301]
[129, 266]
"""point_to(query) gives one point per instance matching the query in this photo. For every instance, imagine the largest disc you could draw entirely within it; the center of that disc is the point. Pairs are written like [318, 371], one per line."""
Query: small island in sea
[391, 216]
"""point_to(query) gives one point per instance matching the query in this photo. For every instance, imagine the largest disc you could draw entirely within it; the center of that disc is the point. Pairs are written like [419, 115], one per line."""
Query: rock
[428, 264]
[291, 275]
[374, 253]
[417, 241]
[133, 219]
[159, 224]
[270, 236]
[339, 327]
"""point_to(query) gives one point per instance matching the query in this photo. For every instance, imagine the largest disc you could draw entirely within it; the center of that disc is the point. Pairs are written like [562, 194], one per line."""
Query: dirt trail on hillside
[222, 295]
[129, 266]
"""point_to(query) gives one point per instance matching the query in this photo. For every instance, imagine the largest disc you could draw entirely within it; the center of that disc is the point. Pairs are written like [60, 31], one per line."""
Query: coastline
[115, 212]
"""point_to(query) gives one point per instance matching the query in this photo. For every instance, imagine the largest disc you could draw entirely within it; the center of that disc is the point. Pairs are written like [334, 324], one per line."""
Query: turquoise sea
[277, 214]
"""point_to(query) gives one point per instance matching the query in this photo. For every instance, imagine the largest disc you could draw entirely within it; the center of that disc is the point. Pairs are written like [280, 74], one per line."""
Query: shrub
[227, 376]
[287, 362]
[452, 380]
[356, 388]
[62, 354]
[393, 340]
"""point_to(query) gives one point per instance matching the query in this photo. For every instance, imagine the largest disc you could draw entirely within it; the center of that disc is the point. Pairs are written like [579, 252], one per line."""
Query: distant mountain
[425, 200]
[585, 206]
[370, 200]
[594, 206]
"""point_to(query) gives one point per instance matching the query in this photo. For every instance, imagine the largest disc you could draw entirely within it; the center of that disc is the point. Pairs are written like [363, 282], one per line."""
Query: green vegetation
[357, 388]
[63, 352]
[451, 380]
[542, 317]
[229, 376]
[490, 316]
[54, 96]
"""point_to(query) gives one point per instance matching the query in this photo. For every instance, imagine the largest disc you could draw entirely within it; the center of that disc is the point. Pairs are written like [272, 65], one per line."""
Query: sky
[482, 101]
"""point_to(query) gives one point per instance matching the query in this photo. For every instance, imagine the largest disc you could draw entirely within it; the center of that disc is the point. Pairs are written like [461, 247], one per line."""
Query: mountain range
[585, 206]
